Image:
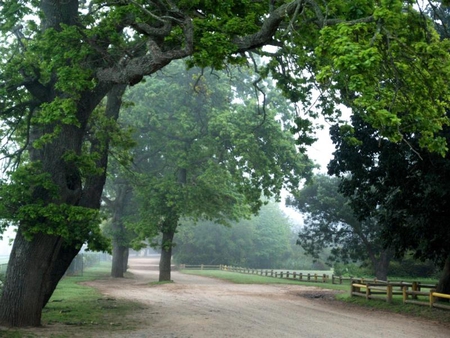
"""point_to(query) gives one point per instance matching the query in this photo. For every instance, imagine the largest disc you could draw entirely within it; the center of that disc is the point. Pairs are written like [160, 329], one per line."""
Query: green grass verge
[242, 278]
[397, 306]
[82, 308]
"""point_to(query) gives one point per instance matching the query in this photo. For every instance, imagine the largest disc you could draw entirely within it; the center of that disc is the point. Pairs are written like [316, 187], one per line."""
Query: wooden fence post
[201, 267]
[389, 293]
[415, 287]
[432, 297]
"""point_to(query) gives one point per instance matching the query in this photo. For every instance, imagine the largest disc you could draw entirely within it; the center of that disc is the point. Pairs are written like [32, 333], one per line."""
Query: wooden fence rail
[293, 275]
[411, 291]
[200, 267]
[370, 288]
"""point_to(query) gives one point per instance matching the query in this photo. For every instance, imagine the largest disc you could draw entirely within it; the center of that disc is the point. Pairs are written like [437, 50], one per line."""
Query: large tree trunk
[168, 230]
[118, 253]
[119, 234]
[37, 265]
[444, 282]
[32, 275]
[165, 261]
[381, 265]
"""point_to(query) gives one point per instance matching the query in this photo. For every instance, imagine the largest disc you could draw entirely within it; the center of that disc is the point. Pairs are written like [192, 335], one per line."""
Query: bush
[411, 268]
[351, 270]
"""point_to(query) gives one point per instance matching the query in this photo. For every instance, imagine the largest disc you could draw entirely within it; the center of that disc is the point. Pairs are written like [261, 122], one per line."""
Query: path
[199, 307]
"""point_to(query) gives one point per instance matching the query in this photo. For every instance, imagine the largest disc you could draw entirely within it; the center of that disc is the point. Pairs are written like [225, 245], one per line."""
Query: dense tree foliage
[404, 187]
[207, 151]
[330, 221]
[58, 65]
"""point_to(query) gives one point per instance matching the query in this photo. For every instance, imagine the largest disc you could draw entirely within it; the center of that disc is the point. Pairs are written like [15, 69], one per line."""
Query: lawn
[242, 278]
[83, 308]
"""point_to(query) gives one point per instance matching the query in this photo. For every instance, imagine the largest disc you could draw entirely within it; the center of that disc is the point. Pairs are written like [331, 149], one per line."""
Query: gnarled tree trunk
[37, 265]
[32, 275]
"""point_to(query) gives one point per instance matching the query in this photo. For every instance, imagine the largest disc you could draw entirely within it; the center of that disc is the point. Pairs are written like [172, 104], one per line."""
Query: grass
[397, 306]
[82, 308]
[242, 278]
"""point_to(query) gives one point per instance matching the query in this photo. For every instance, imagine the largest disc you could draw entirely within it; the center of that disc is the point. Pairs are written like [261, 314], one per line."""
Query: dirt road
[201, 307]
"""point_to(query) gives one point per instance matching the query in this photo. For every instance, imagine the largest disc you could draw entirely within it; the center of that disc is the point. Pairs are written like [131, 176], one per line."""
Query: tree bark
[444, 282]
[118, 261]
[37, 265]
[126, 254]
[381, 265]
[30, 278]
[119, 234]
[166, 256]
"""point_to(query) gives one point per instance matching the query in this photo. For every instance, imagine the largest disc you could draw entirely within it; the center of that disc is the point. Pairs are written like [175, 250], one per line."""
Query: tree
[118, 208]
[331, 221]
[201, 156]
[58, 67]
[406, 188]
[259, 242]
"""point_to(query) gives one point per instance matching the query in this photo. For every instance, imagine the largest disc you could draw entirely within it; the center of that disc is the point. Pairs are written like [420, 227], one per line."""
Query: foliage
[404, 187]
[352, 270]
[203, 150]
[339, 47]
[260, 242]
[378, 65]
[330, 221]
[59, 64]
[409, 267]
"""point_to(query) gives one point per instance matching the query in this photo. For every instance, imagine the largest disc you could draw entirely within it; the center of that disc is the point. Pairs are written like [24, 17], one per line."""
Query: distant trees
[262, 241]
[330, 221]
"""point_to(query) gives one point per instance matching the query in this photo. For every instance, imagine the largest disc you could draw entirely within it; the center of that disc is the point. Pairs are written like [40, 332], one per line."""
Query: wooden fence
[412, 292]
[199, 267]
[370, 288]
[292, 275]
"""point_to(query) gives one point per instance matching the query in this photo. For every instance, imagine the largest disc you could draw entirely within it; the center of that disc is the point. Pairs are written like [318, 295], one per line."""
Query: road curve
[199, 307]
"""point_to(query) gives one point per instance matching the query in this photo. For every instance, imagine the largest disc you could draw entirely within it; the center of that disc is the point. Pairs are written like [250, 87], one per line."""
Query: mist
[5, 246]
